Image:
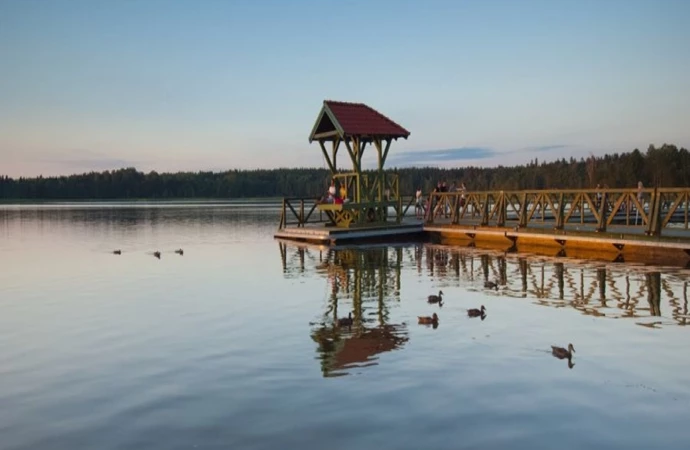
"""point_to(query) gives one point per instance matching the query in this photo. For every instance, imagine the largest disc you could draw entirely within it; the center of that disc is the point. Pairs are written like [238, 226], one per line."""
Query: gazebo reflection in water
[363, 283]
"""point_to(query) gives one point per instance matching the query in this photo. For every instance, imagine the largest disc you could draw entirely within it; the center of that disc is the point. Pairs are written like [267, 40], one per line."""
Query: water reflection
[612, 290]
[649, 295]
[364, 281]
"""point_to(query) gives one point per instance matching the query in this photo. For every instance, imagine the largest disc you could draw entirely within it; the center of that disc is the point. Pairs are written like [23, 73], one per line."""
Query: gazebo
[367, 196]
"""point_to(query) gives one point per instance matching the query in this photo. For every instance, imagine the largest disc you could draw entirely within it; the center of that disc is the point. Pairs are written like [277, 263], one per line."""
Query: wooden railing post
[601, 226]
[560, 211]
[281, 225]
[301, 212]
[523, 211]
[654, 228]
[285, 213]
[430, 209]
[456, 209]
[501, 222]
[485, 211]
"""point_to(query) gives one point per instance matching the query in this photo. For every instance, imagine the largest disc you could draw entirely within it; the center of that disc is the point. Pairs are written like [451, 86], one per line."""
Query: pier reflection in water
[366, 282]
[362, 284]
[594, 288]
[602, 290]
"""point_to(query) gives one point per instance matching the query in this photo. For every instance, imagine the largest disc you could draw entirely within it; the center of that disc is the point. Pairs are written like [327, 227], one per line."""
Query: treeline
[667, 165]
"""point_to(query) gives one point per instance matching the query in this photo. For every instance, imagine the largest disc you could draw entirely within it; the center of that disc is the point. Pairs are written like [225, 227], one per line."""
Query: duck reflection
[346, 321]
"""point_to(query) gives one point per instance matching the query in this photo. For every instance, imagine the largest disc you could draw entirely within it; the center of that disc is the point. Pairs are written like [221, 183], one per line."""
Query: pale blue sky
[190, 85]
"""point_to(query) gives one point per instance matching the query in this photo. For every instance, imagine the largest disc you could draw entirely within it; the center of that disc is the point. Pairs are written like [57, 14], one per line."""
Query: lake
[233, 343]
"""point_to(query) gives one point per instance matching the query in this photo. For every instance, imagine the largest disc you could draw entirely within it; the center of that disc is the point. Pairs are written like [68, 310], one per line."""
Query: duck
[436, 298]
[179, 251]
[157, 254]
[476, 312]
[117, 252]
[345, 321]
[491, 284]
[426, 320]
[561, 353]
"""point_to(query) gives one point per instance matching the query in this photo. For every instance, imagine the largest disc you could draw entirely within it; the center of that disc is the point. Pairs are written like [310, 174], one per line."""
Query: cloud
[474, 155]
[431, 157]
[544, 148]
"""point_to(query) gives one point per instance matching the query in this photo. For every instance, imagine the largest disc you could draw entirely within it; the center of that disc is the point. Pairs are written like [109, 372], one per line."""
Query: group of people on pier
[438, 207]
[336, 195]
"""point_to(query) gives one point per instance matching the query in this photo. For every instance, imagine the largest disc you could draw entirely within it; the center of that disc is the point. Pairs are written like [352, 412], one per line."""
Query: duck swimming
[426, 320]
[117, 252]
[561, 353]
[476, 312]
[491, 284]
[179, 251]
[157, 254]
[345, 321]
[436, 298]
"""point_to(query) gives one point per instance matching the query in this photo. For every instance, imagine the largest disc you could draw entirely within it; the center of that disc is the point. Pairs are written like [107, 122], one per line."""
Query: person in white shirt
[419, 206]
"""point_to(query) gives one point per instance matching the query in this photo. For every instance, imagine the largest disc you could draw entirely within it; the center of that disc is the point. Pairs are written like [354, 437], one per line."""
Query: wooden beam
[334, 150]
[385, 153]
[357, 151]
[326, 134]
[379, 152]
[352, 149]
[325, 154]
[351, 152]
[325, 113]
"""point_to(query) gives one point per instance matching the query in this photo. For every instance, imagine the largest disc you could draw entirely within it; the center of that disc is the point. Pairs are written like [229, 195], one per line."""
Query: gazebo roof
[339, 120]
[360, 350]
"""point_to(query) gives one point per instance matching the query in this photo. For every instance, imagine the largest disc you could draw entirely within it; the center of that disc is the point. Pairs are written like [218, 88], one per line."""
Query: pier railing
[300, 211]
[649, 210]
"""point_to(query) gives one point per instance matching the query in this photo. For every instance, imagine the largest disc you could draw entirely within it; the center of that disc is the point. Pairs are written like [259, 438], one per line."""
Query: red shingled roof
[361, 120]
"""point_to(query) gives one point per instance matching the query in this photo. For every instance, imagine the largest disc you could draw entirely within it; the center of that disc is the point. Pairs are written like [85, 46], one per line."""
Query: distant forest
[667, 165]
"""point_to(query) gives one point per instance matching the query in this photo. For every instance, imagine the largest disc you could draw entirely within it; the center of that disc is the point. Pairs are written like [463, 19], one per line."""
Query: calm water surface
[233, 344]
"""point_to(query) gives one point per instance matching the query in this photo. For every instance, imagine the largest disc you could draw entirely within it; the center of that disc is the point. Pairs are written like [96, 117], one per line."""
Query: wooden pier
[649, 225]
[359, 206]
[646, 225]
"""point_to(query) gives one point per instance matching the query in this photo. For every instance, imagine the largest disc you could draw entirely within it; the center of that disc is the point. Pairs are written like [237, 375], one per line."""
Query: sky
[178, 85]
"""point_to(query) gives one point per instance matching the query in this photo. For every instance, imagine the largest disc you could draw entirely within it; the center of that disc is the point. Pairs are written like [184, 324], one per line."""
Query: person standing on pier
[330, 195]
[462, 189]
[435, 197]
[598, 188]
[343, 192]
[446, 207]
[419, 205]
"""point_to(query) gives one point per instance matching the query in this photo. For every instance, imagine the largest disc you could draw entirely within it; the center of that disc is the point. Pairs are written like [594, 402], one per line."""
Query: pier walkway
[650, 223]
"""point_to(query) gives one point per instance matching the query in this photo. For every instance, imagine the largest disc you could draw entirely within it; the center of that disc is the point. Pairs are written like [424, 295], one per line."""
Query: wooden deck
[319, 233]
